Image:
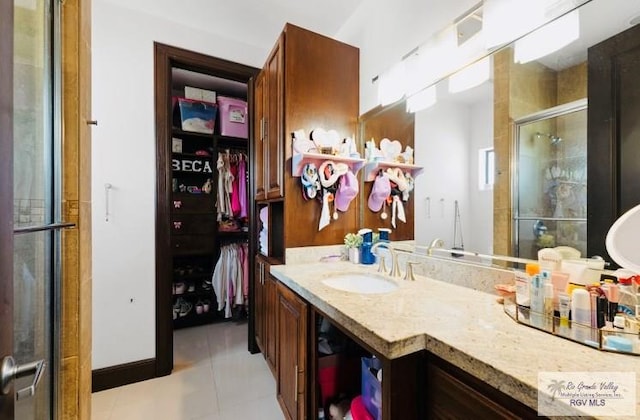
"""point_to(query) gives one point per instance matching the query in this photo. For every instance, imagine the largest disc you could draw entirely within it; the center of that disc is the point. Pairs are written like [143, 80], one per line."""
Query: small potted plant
[352, 242]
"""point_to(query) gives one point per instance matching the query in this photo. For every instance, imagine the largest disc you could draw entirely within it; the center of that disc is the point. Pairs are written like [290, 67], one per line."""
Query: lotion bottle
[581, 315]
[537, 301]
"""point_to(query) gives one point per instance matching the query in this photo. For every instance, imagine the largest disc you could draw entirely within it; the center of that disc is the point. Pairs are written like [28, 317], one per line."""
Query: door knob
[11, 370]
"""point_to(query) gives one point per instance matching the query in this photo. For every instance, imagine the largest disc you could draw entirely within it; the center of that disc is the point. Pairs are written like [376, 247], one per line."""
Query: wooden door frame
[6, 194]
[167, 57]
[603, 138]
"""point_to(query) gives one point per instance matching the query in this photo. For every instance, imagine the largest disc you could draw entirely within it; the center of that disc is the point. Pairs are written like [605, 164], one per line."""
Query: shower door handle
[11, 370]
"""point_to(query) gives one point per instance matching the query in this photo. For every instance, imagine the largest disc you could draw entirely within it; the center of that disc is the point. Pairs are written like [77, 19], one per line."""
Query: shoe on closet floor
[179, 288]
[182, 307]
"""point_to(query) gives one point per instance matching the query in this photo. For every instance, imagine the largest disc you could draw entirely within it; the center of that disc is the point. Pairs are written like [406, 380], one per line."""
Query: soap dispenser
[366, 256]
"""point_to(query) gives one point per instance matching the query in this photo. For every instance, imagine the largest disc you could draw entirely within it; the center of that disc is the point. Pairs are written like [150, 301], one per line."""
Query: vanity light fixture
[391, 85]
[507, 20]
[548, 39]
[422, 100]
[471, 76]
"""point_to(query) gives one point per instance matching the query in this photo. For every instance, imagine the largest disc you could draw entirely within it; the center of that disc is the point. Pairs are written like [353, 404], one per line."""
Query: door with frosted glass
[550, 182]
[29, 209]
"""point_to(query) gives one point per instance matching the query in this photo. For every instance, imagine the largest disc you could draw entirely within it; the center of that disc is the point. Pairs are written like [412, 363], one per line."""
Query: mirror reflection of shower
[553, 139]
[549, 195]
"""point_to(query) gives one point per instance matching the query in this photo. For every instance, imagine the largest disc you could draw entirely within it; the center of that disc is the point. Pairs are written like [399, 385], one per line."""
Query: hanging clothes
[225, 185]
[231, 199]
[242, 187]
[229, 277]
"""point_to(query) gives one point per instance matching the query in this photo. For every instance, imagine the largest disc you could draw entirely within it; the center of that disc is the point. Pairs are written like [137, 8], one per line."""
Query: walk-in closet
[203, 211]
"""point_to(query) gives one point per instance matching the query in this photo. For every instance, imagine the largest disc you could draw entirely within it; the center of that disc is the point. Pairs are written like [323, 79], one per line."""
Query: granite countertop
[465, 327]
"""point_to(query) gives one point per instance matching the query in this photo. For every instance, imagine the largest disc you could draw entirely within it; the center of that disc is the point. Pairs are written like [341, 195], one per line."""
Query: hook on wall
[428, 207]
[107, 188]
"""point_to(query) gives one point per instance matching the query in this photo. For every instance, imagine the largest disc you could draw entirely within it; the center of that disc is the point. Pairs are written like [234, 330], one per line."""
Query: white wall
[442, 147]
[480, 201]
[123, 146]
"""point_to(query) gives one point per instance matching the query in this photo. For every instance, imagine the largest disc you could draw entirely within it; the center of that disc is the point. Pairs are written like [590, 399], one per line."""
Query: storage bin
[371, 387]
[197, 116]
[234, 120]
[337, 374]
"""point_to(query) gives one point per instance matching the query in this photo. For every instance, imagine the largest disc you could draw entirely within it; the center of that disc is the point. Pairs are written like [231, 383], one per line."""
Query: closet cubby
[338, 367]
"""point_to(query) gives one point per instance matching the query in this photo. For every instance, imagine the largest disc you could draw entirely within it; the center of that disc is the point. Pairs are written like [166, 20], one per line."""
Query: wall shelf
[298, 160]
[371, 169]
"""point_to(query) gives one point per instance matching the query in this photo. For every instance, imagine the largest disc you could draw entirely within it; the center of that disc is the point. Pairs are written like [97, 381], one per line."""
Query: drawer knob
[177, 204]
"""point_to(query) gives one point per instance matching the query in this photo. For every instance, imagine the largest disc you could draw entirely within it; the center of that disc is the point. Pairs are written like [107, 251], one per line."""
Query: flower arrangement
[352, 240]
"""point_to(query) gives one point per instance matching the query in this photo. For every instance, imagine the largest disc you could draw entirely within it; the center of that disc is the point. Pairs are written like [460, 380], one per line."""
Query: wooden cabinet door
[274, 110]
[259, 148]
[259, 306]
[292, 350]
[270, 328]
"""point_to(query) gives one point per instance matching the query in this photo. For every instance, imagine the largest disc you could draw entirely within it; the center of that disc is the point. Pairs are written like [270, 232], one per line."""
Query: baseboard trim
[127, 373]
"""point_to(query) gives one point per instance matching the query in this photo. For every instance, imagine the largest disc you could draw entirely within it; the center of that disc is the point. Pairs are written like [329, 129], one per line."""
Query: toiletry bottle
[613, 295]
[580, 315]
[383, 236]
[564, 306]
[559, 281]
[537, 301]
[522, 289]
[627, 303]
[366, 256]
[549, 259]
[548, 306]
[532, 269]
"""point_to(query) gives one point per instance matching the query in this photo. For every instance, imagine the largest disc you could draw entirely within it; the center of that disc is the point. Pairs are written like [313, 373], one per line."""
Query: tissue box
[197, 116]
[234, 119]
[371, 388]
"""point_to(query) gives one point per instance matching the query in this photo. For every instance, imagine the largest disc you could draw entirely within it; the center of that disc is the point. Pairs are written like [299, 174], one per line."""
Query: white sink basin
[360, 283]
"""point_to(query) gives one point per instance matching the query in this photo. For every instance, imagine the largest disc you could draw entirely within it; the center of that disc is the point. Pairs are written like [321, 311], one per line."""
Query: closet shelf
[371, 169]
[298, 160]
[180, 132]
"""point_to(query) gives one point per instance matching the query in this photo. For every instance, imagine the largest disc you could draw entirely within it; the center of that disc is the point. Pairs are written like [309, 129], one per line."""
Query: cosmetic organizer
[605, 339]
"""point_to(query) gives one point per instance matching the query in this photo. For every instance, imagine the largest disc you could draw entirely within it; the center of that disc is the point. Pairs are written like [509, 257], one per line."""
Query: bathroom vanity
[446, 350]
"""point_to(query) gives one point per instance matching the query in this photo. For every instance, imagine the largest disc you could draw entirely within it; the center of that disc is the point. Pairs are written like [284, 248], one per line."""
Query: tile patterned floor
[214, 378]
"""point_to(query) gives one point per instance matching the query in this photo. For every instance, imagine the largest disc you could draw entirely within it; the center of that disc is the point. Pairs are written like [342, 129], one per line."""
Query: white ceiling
[253, 22]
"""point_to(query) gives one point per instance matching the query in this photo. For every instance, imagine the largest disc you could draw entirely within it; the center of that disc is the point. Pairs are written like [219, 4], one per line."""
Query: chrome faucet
[436, 243]
[395, 268]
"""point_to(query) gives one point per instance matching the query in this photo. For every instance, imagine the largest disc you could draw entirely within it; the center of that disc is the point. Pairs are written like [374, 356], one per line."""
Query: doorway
[30, 193]
[178, 250]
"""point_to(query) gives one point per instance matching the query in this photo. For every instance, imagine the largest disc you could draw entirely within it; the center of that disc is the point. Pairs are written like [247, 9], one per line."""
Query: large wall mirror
[511, 150]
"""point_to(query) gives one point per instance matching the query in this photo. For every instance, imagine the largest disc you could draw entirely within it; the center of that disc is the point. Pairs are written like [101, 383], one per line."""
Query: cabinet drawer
[192, 203]
[192, 244]
[193, 224]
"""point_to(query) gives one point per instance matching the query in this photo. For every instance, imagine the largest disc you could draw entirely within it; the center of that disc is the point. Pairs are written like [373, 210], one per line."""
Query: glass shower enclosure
[549, 194]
